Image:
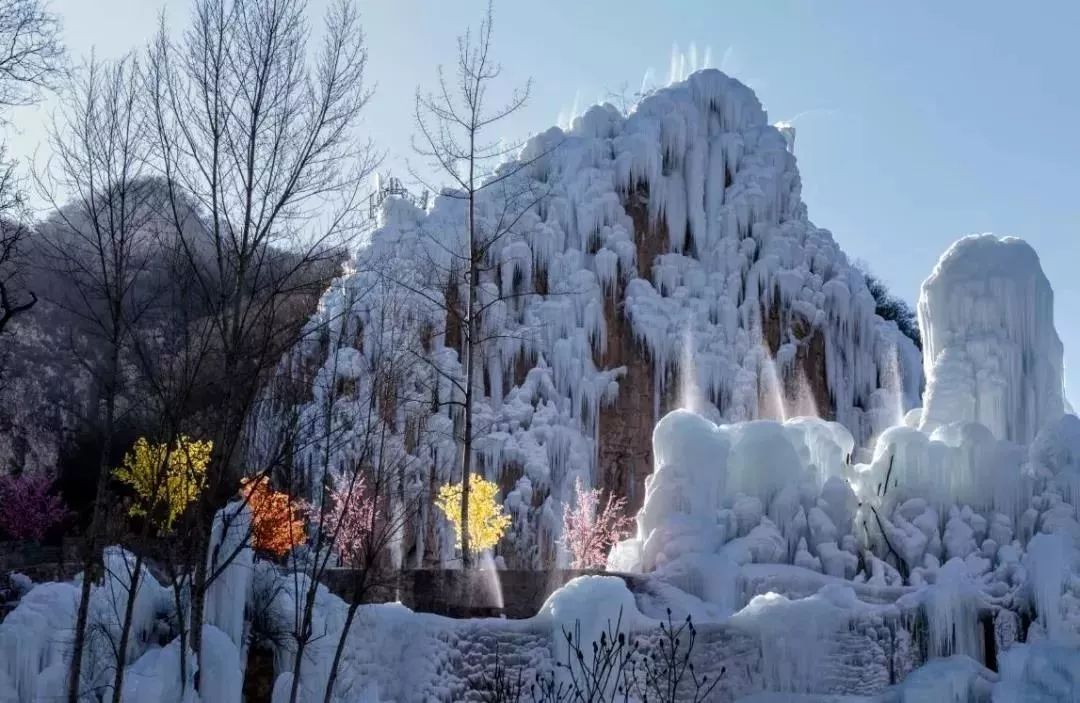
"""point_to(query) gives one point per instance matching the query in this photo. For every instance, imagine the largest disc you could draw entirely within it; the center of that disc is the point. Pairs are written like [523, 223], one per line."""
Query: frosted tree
[590, 530]
[277, 521]
[28, 507]
[351, 519]
[454, 124]
[367, 518]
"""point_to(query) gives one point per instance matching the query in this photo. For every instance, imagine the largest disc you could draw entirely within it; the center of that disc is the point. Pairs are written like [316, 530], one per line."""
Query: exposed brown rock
[625, 436]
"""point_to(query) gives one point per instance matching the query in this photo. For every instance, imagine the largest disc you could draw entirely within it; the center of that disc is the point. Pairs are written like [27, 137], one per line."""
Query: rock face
[991, 352]
[666, 261]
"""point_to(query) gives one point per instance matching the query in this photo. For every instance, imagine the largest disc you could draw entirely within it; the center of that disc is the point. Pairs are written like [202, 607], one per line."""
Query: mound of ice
[587, 608]
[753, 490]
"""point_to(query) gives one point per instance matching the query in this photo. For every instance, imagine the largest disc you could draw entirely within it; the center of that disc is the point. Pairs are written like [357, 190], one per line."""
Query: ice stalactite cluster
[680, 222]
[230, 562]
[953, 521]
[36, 640]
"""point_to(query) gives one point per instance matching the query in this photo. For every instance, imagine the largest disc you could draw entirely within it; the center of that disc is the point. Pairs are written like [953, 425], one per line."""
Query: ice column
[990, 349]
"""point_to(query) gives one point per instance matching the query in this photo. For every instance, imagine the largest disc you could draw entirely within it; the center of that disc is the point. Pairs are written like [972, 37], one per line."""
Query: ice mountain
[659, 259]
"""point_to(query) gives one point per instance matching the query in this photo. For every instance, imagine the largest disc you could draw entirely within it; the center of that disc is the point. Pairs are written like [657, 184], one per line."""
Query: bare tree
[15, 297]
[31, 60]
[31, 52]
[364, 505]
[262, 142]
[454, 124]
[99, 242]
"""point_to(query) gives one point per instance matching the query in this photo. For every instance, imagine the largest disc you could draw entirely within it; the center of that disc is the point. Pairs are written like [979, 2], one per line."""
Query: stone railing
[463, 594]
[41, 562]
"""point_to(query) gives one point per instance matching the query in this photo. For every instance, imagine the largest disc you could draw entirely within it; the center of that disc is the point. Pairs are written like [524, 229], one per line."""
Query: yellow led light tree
[165, 480]
[487, 521]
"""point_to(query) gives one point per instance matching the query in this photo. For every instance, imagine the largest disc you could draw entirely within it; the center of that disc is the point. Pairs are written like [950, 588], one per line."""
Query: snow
[762, 487]
[1049, 560]
[588, 608]
[1039, 673]
[956, 678]
[952, 611]
[965, 509]
[793, 657]
[222, 677]
[35, 639]
[155, 677]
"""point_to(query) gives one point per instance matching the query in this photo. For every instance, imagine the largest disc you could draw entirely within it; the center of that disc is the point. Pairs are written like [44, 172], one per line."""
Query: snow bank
[588, 607]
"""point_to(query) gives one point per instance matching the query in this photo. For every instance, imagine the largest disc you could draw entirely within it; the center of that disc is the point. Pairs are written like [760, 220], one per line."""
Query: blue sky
[918, 122]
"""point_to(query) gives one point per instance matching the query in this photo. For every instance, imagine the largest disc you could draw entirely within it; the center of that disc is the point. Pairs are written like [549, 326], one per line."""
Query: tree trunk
[125, 632]
[182, 635]
[304, 636]
[332, 679]
[198, 609]
[90, 557]
[470, 361]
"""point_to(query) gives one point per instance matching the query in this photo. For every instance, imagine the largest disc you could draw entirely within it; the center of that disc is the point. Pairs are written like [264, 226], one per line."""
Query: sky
[918, 122]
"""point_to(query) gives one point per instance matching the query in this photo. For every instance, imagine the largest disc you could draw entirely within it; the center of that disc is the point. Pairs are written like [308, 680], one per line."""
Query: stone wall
[510, 593]
[467, 659]
[41, 563]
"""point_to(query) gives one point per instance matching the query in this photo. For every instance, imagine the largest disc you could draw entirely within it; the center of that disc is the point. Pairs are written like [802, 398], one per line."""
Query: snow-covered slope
[664, 258]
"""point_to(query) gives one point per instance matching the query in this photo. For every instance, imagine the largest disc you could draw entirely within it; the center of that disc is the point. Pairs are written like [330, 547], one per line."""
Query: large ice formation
[956, 523]
[664, 258]
[990, 349]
